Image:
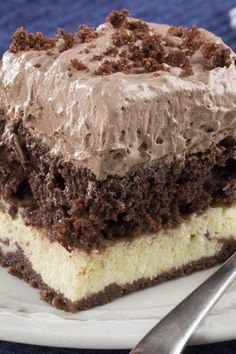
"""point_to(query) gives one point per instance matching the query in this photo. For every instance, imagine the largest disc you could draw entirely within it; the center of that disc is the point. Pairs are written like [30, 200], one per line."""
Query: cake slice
[117, 158]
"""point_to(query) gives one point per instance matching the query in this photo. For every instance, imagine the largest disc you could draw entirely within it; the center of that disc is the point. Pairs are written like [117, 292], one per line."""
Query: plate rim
[21, 322]
[116, 334]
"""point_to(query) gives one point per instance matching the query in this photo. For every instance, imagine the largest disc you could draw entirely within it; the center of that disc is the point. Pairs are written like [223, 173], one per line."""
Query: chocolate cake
[117, 158]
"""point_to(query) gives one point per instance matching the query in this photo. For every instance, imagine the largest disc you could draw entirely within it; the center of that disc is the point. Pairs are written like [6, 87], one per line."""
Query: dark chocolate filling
[80, 211]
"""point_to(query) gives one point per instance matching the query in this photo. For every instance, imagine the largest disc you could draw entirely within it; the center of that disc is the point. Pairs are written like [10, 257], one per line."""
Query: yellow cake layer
[78, 275]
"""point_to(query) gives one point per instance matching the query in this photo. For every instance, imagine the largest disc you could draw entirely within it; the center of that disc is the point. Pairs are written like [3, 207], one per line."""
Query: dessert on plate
[117, 158]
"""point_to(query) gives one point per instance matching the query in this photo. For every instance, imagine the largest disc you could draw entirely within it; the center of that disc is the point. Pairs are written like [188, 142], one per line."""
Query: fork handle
[172, 333]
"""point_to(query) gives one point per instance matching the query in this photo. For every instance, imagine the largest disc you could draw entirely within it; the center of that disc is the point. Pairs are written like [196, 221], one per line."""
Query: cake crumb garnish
[97, 57]
[111, 51]
[136, 26]
[117, 18]
[109, 67]
[23, 40]
[123, 53]
[134, 46]
[192, 40]
[68, 40]
[86, 34]
[78, 65]
[123, 37]
[217, 55]
[176, 31]
[179, 59]
[151, 65]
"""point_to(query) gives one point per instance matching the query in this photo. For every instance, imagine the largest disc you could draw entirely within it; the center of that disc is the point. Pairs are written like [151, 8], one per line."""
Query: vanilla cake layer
[68, 279]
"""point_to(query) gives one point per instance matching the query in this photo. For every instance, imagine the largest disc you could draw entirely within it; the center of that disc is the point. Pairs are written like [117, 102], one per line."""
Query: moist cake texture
[117, 157]
[85, 278]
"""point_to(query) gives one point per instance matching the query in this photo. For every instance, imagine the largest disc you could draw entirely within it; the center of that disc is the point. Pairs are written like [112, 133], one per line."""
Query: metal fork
[172, 333]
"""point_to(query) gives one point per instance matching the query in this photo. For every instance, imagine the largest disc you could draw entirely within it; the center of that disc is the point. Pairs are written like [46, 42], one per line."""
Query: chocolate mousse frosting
[124, 94]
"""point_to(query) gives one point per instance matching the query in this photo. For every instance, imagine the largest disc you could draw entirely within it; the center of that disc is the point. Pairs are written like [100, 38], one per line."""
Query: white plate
[120, 324]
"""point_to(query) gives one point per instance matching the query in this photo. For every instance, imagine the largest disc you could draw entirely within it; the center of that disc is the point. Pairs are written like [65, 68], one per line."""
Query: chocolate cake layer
[21, 267]
[80, 211]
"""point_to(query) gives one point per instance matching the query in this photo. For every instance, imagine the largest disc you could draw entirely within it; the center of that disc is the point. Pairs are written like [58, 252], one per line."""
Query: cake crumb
[151, 64]
[123, 53]
[109, 66]
[23, 40]
[68, 40]
[135, 45]
[111, 51]
[176, 31]
[86, 34]
[117, 18]
[217, 55]
[122, 37]
[78, 65]
[181, 60]
[192, 40]
[97, 57]
[136, 26]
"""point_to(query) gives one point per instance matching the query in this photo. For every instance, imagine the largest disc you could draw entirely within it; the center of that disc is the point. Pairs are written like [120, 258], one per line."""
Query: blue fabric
[12, 348]
[47, 15]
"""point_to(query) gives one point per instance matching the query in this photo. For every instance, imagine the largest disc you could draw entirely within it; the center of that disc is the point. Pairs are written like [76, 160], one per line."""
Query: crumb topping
[192, 40]
[180, 60]
[98, 57]
[135, 47]
[68, 40]
[109, 67]
[117, 18]
[122, 37]
[111, 51]
[78, 65]
[217, 55]
[176, 31]
[24, 40]
[144, 51]
[86, 34]
[149, 52]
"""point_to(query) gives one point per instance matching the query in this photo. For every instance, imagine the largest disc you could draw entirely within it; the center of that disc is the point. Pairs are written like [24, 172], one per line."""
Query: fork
[172, 333]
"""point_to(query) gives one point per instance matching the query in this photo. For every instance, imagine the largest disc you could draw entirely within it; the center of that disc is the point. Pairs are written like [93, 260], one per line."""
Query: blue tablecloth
[12, 348]
[46, 16]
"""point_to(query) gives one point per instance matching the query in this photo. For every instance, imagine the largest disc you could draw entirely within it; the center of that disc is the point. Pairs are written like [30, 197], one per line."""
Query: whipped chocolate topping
[112, 98]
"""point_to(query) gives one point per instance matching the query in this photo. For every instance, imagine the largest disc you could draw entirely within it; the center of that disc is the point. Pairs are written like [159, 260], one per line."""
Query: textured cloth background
[47, 15]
